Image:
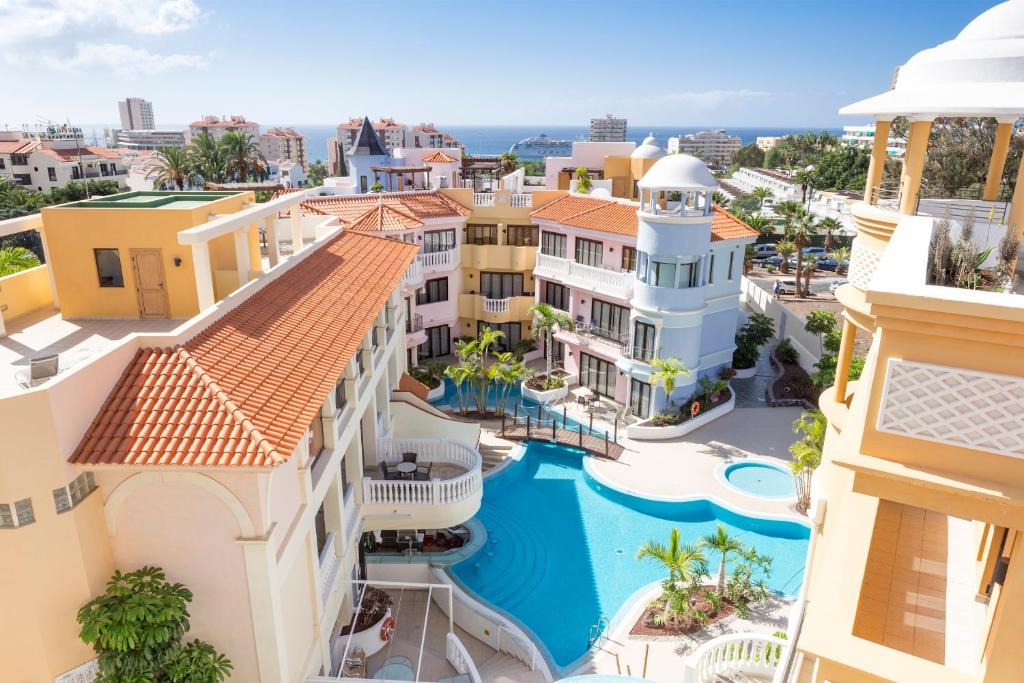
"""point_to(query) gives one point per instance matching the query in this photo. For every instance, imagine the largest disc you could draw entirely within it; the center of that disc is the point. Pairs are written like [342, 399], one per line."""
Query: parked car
[772, 261]
[836, 284]
[817, 252]
[787, 286]
[764, 250]
[792, 262]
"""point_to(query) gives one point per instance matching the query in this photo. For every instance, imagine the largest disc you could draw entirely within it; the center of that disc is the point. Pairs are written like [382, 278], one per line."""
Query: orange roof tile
[591, 213]
[17, 146]
[415, 387]
[384, 218]
[726, 226]
[418, 206]
[438, 157]
[72, 154]
[243, 392]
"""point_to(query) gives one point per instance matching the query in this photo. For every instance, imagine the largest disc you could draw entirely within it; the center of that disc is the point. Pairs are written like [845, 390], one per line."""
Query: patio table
[395, 672]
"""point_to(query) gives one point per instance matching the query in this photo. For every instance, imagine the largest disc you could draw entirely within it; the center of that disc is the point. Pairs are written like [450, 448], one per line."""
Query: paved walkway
[750, 392]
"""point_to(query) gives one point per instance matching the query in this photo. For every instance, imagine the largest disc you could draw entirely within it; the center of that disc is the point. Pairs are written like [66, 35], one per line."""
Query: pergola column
[294, 218]
[242, 255]
[997, 163]
[273, 248]
[913, 165]
[879, 153]
[1015, 220]
[204, 276]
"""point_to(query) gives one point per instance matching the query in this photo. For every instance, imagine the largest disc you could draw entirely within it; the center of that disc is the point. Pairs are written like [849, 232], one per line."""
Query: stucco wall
[24, 292]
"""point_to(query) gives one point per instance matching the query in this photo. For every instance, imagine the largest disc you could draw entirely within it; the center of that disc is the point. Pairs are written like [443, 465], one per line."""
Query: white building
[136, 114]
[146, 139]
[288, 173]
[767, 142]
[782, 186]
[863, 135]
[56, 157]
[284, 144]
[608, 129]
[217, 127]
[427, 135]
[713, 147]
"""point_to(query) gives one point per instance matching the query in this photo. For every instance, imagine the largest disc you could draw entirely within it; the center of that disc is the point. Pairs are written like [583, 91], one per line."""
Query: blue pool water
[561, 548]
[761, 479]
[526, 407]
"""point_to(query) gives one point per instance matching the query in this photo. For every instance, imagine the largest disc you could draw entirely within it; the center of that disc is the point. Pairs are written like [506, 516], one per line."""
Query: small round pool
[760, 479]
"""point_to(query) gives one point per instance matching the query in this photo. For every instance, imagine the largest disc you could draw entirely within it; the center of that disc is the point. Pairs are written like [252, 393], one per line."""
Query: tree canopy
[749, 155]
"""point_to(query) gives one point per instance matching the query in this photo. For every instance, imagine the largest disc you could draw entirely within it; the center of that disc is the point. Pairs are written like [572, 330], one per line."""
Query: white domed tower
[684, 298]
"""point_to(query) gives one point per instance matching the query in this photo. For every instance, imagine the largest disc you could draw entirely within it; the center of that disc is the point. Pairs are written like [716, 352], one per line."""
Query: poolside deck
[599, 446]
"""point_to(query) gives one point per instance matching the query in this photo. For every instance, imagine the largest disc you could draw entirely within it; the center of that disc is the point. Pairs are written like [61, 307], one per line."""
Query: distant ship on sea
[541, 146]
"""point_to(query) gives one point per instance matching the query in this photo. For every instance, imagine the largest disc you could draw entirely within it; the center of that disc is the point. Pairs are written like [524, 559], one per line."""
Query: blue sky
[728, 63]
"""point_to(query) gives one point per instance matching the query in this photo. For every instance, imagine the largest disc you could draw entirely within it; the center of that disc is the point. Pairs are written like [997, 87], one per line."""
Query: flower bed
[696, 412]
[647, 624]
[544, 389]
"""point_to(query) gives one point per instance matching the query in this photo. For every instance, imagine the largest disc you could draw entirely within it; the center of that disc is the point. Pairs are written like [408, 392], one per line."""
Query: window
[557, 351]
[103, 169]
[438, 240]
[6, 516]
[689, 275]
[512, 333]
[67, 497]
[3, 164]
[553, 244]
[432, 291]
[588, 252]
[628, 259]
[340, 395]
[523, 235]
[643, 341]
[19, 160]
[639, 398]
[76, 173]
[641, 266]
[438, 342]
[663, 274]
[360, 366]
[108, 267]
[52, 173]
[711, 270]
[501, 285]
[732, 255]
[481, 234]
[363, 185]
[609, 321]
[597, 374]
[374, 338]
[23, 511]
[556, 295]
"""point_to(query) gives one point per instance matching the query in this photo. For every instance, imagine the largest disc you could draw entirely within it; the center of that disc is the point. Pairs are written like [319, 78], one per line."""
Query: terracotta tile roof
[383, 218]
[418, 206]
[591, 213]
[72, 154]
[243, 392]
[726, 226]
[438, 157]
[17, 146]
[415, 387]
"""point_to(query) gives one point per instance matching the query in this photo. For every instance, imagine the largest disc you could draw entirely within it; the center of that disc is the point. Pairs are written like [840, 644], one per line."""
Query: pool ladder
[597, 631]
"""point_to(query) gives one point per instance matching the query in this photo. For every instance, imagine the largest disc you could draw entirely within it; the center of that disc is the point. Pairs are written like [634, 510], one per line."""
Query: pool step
[503, 668]
[524, 568]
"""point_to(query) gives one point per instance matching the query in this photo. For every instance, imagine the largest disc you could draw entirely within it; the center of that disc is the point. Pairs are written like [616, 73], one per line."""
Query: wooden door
[150, 286]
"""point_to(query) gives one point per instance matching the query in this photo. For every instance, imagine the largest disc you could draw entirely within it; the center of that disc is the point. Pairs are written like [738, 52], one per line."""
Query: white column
[296, 223]
[273, 248]
[242, 255]
[267, 617]
[204, 275]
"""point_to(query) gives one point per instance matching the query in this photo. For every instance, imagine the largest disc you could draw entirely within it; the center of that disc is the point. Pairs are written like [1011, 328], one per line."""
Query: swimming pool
[760, 479]
[561, 548]
[450, 399]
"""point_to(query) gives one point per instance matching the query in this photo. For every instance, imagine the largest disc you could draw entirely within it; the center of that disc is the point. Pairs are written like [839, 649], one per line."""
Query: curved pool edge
[590, 470]
[721, 470]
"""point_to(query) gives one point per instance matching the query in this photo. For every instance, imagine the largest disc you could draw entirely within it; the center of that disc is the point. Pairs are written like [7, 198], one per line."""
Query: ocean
[498, 139]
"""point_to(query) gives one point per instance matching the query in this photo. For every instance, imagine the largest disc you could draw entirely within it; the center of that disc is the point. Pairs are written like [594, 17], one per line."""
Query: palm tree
[458, 374]
[545, 319]
[722, 543]
[760, 222]
[806, 180]
[840, 255]
[15, 259]
[787, 208]
[583, 182]
[801, 225]
[829, 225]
[681, 561]
[762, 193]
[243, 159]
[807, 451]
[508, 161]
[718, 197]
[207, 159]
[172, 169]
[666, 372]
[785, 249]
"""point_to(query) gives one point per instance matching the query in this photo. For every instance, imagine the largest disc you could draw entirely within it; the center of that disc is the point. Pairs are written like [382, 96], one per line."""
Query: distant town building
[145, 139]
[284, 144]
[392, 134]
[55, 157]
[767, 142]
[864, 136]
[136, 114]
[713, 147]
[608, 129]
[427, 135]
[783, 187]
[217, 127]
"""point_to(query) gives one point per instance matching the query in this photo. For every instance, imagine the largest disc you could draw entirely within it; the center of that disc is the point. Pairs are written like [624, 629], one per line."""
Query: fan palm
[840, 255]
[243, 159]
[722, 543]
[806, 180]
[829, 225]
[15, 259]
[801, 225]
[762, 193]
[719, 197]
[508, 161]
[787, 208]
[206, 159]
[785, 249]
[760, 222]
[172, 169]
[681, 561]
[545, 319]
[807, 451]
[666, 372]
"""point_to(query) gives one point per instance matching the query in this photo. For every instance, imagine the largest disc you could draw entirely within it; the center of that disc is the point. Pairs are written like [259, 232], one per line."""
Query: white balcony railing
[329, 563]
[618, 283]
[350, 511]
[413, 274]
[743, 653]
[433, 492]
[522, 201]
[438, 260]
[460, 660]
[496, 305]
[483, 199]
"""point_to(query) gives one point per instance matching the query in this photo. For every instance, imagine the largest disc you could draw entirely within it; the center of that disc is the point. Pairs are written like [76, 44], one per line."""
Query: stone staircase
[503, 668]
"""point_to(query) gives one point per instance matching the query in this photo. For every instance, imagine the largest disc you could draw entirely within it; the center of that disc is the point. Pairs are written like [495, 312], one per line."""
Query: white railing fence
[520, 201]
[579, 274]
[350, 511]
[483, 199]
[460, 660]
[436, 260]
[743, 653]
[435, 491]
[496, 305]
[513, 645]
[414, 273]
[329, 563]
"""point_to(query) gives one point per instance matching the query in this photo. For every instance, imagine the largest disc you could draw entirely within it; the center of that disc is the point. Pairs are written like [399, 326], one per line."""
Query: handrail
[525, 652]
[496, 305]
[582, 274]
[435, 491]
[329, 562]
[522, 200]
[439, 259]
[748, 653]
[460, 659]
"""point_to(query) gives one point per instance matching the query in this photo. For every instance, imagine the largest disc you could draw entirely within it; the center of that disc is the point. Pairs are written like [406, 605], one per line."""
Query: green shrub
[754, 334]
[786, 352]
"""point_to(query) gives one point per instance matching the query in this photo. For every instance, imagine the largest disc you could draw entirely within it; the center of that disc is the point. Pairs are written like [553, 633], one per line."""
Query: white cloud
[123, 60]
[31, 20]
[711, 99]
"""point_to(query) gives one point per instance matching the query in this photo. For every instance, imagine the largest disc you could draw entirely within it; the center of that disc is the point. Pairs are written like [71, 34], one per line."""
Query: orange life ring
[387, 629]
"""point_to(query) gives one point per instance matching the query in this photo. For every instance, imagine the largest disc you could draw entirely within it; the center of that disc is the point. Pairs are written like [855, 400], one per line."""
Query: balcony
[438, 261]
[483, 199]
[522, 201]
[499, 257]
[509, 309]
[329, 564]
[413, 277]
[615, 283]
[741, 656]
[450, 495]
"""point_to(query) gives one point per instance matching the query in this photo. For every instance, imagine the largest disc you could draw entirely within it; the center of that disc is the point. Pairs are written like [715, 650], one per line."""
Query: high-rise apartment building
[713, 147]
[608, 129]
[136, 114]
[284, 144]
